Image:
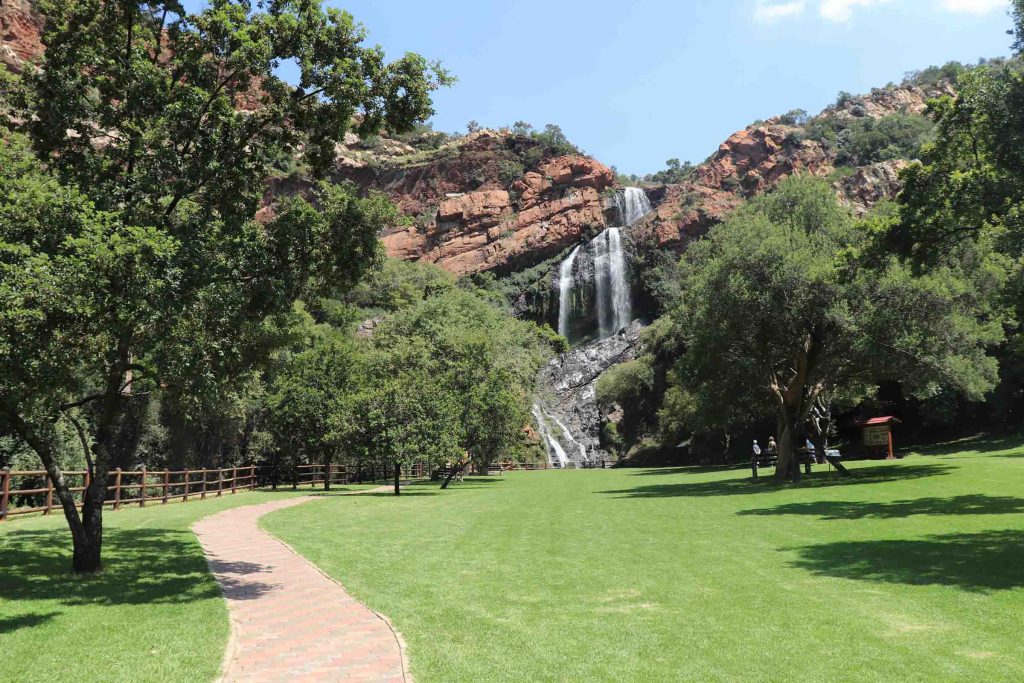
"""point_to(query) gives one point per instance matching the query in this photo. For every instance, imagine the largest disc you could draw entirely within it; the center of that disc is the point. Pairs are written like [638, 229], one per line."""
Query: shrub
[510, 171]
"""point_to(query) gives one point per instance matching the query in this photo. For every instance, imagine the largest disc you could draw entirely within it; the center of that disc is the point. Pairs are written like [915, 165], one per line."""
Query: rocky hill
[757, 158]
[489, 201]
[502, 202]
[20, 30]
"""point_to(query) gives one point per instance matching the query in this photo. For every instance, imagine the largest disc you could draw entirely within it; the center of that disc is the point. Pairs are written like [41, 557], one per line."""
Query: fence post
[184, 496]
[167, 483]
[252, 477]
[220, 482]
[142, 489]
[85, 487]
[117, 488]
[5, 491]
[49, 494]
[295, 479]
[234, 480]
[202, 496]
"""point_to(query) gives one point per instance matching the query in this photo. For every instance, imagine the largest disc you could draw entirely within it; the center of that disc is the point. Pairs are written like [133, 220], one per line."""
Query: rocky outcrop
[755, 160]
[749, 162]
[869, 185]
[567, 393]
[494, 228]
[21, 29]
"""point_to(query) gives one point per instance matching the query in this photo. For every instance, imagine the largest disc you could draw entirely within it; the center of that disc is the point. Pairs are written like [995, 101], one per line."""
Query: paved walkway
[289, 621]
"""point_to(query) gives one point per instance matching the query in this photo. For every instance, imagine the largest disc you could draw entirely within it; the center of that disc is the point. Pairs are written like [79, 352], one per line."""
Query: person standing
[754, 458]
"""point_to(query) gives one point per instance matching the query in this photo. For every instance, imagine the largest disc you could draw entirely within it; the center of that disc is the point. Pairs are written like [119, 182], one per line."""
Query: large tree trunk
[787, 465]
[398, 478]
[86, 543]
[327, 473]
[452, 473]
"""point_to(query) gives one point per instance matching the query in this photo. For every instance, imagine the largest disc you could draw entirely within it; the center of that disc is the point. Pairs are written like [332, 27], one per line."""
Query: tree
[781, 306]
[411, 415]
[522, 128]
[473, 126]
[484, 359]
[310, 401]
[168, 123]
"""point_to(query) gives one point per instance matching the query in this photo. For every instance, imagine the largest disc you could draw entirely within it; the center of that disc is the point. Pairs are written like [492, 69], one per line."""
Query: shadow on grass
[745, 486]
[974, 504]
[996, 445]
[141, 566]
[985, 561]
[11, 624]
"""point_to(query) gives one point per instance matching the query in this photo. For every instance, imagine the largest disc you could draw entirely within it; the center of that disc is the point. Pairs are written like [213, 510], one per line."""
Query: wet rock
[567, 390]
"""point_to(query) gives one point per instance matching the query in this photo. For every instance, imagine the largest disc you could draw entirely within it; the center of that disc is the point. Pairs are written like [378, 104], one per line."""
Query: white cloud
[974, 6]
[768, 12]
[842, 10]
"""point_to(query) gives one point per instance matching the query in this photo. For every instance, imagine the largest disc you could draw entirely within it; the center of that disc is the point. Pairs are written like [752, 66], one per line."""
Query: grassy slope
[154, 614]
[912, 571]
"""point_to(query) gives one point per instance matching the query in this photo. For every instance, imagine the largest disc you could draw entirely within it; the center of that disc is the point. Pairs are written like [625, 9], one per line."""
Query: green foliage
[398, 284]
[896, 136]
[554, 140]
[522, 128]
[794, 117]
[969, 184]
[674, 172]
[509, 171]
[625, 383]
[780, 307]
[153, 180]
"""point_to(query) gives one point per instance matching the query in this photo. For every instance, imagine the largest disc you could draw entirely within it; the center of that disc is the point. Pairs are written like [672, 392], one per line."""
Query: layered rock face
[493, 227]
[755, 160]
[21, 28]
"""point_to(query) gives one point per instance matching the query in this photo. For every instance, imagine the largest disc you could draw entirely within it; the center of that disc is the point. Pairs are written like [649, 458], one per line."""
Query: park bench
[443, 473]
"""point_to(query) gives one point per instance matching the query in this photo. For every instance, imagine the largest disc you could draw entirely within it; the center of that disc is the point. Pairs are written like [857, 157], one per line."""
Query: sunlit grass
[910, 570]
[154, 614]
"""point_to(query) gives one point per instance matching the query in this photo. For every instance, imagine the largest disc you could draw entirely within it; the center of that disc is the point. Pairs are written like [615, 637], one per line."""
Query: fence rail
[131, 487]
[125, 487]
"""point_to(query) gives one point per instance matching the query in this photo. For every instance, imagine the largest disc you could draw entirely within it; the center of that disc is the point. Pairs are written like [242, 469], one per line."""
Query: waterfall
[565, 293]
[618, 279]
[568, 434]
[611, 283]
[599, 276]
[632, 204]
[556, 454]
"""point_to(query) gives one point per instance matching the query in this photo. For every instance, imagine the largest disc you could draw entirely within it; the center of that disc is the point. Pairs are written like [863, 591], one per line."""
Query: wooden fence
[124, 487]
[130, 487]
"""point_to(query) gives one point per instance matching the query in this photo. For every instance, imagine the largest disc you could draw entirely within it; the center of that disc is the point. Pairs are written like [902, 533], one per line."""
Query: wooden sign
[876, 436]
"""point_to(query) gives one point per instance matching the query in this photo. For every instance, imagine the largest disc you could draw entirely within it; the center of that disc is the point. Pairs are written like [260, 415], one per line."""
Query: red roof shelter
[877, 433]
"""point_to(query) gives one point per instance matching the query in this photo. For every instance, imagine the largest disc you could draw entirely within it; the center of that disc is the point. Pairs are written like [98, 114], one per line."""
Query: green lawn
[154, 614]
[912, 570]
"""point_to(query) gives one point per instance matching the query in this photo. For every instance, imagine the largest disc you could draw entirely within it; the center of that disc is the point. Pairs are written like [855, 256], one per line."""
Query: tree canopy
[158, 129]
[781, 306]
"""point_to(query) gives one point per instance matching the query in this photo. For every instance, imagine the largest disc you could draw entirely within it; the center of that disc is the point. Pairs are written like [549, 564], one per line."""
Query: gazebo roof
[876, 421]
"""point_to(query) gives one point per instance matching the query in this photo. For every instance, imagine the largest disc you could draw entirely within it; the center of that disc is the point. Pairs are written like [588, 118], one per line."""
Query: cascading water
[565, 293]
[632, 204]
[556, 454]
[594, 306]
[594, 298]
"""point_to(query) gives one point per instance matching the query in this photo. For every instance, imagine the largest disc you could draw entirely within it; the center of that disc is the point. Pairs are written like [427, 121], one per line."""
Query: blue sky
[635, 83]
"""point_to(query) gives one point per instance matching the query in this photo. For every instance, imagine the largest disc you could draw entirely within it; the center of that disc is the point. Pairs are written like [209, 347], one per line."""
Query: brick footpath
[290, 622]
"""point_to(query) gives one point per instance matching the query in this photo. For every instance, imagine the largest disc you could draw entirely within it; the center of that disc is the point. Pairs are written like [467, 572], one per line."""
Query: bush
[509, 171]
[897, 136]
